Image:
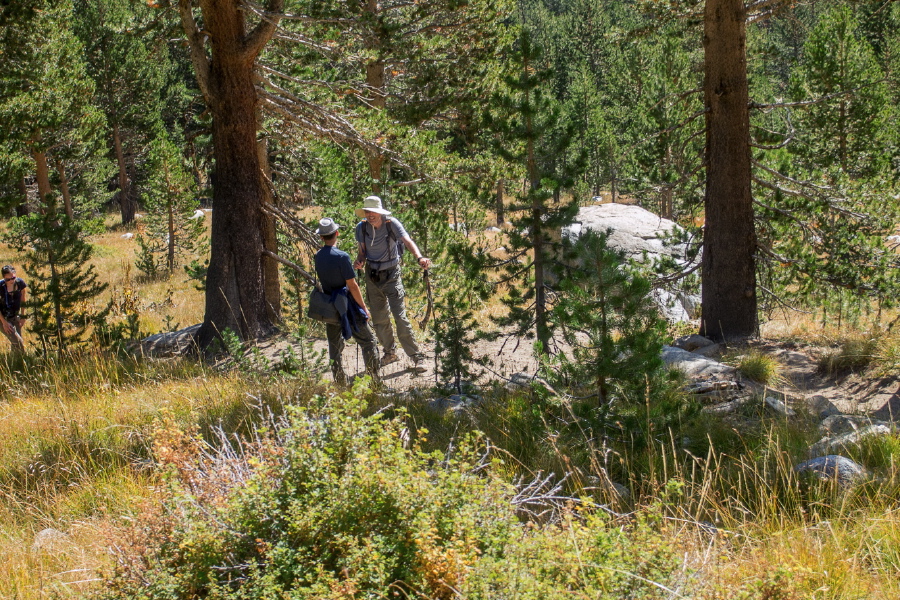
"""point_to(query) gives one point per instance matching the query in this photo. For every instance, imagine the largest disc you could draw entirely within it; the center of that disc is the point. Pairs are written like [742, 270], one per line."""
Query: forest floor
[497, 361]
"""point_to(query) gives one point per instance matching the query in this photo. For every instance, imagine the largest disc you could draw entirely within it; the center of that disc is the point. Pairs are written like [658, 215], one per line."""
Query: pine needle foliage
[608, 318]
[172, 232]
[64, 283]
[529, 135]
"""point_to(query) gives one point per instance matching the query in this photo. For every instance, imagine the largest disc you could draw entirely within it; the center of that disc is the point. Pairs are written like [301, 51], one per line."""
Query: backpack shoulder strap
[390, 228]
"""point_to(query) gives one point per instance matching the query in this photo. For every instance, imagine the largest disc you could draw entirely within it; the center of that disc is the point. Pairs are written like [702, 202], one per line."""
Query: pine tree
[130, 68]
[531, 137]
[172, 233]
[45, 94]
[843, 126]
[609, 319]
[63, 282]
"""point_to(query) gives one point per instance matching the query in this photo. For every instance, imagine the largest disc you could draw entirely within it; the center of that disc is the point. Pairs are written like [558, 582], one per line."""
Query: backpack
[400, 247]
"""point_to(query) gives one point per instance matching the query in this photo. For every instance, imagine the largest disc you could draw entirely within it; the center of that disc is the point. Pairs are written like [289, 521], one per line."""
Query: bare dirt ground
[878, 398]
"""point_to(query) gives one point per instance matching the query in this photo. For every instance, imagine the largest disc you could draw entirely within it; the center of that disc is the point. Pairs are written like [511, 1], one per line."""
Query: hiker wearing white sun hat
[381, 240]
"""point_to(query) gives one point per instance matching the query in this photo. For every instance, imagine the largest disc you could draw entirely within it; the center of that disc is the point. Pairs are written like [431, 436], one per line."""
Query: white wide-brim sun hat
[371, 204]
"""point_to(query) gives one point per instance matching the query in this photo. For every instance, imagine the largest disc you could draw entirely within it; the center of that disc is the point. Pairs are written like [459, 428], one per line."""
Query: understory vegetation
[171, 479]
[226, 465]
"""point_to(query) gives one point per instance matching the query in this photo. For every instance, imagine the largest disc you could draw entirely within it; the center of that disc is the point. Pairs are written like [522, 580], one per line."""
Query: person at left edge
[337, 276]
[12, 321]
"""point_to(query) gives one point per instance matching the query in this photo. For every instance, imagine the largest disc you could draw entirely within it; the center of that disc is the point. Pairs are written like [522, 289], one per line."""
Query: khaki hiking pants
[385, 298]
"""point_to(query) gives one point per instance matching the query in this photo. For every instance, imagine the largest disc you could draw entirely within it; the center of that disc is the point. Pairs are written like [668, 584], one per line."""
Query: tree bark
[235, 284]
[64, 188]
[270, 238]
[378, 98]
[42, 174]
[126, 201]
[729, 302]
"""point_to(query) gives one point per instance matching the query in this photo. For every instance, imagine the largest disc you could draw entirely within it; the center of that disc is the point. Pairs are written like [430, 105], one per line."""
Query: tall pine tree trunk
[270, 237]
[64, 188]
[377, 98]
[42, 174]
[729, 243]
[235, 284]
[126, 201]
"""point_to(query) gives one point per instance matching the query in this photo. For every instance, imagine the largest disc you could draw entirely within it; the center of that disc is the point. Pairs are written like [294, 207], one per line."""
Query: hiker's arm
[6, 326]
[360, 257]
[23, 297]
[353, 287]
[425, 263]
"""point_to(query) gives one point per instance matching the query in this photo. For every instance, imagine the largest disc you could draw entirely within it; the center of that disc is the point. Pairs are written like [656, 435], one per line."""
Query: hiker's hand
[358, 264]
[424, 262]
[7, 326]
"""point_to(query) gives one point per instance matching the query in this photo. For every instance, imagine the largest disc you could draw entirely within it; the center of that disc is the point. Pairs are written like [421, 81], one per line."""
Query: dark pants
[366, 340]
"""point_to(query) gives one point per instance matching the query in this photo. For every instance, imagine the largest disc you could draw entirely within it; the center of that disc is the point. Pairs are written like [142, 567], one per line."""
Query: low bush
[329, 503]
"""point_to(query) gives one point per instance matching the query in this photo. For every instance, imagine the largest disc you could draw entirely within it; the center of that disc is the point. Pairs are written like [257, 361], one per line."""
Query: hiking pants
[386, 297]
[366, 340]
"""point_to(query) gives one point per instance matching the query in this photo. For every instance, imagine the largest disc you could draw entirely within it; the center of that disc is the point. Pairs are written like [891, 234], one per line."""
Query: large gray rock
[833, 467]
[694, 365]
[633, 229]
[640, 234]
[692, 342]
[170, 343]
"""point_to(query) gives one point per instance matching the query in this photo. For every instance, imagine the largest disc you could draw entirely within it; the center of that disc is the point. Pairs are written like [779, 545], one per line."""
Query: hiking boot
[419, 365]
[389, 358]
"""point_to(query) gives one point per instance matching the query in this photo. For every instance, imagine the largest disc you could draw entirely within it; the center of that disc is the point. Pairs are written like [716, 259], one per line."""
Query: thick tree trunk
[235, 284]
[42, 174]
[375, 81]
[729, 244]
[126, 201]
[270, 238]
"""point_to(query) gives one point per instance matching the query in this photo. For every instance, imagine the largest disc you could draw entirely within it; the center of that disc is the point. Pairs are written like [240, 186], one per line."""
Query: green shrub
[332, 504]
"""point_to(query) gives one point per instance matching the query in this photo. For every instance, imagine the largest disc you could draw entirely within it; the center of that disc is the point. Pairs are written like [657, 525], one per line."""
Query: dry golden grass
[73, 456]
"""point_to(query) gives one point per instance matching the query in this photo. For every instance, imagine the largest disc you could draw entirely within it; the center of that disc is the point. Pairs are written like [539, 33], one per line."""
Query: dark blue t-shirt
[334, 268]
[12, 301]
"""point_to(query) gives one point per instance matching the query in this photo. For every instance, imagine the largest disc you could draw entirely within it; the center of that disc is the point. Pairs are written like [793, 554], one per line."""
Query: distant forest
[769, 130]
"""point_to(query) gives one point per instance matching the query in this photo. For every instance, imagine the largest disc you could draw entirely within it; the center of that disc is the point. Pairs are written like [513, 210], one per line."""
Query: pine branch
[196, 40]
[262, 33]
[792, 192]
[290, 264]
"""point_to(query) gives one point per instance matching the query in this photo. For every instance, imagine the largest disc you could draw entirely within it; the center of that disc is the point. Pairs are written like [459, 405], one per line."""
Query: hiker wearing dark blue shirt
[13, 296]
[338, 278]
[381, 240]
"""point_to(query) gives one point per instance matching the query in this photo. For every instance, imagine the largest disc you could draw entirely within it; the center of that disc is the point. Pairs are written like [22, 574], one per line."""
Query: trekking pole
[430, 306]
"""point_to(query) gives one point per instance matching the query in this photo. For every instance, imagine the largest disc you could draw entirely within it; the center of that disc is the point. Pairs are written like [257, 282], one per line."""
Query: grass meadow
[80, 453]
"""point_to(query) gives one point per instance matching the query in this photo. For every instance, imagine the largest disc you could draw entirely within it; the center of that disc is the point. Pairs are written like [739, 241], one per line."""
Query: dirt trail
[878, 398]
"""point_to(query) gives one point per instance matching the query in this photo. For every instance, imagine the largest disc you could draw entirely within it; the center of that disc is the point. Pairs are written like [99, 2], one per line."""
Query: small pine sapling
[63, 282]
[608, 318]
[173, 228]
[455, 327]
